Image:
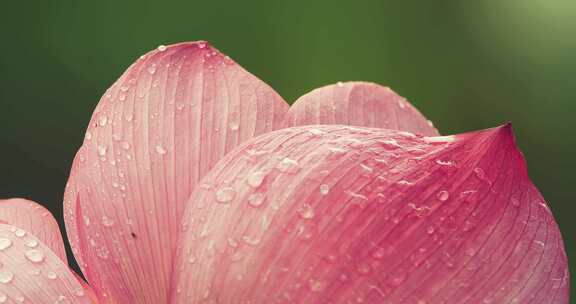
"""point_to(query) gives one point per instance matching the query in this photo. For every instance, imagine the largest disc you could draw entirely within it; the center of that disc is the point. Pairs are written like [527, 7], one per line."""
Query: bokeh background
[465, 64]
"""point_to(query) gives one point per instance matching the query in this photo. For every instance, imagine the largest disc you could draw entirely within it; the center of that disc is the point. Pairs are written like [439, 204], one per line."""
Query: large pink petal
[358, 104]
[334, 214]
[32, 273]
[33, 217]
[155, 132]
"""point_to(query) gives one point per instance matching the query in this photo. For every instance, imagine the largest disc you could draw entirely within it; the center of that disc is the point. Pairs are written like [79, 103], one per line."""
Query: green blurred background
[465, 64]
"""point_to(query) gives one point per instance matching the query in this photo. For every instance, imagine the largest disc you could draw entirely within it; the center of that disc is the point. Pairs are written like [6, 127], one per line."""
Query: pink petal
[32, 273]
[33, 217]
[358, 104]
[334, 214]
[170, 117]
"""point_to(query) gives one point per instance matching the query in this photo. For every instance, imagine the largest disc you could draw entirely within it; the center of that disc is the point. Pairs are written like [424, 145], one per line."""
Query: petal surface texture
[36, 219]
[358, 104]
[169, 118]
[336, 214]
[32, 273]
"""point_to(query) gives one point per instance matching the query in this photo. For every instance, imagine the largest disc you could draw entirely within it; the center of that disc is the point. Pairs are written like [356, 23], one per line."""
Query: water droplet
[32, 243]
[102, 150]
[514, 201]
[251, 240]
[340, 84]
[306, 212]
[107, 222]
[364, 269]
[379, 253]
[447, 163]
[430, 230]
[225, 195]
[20, 232]
[5, 243]
[443, 195]
[152, 69]
[34, 255]
[51, 275]
[256, 199]
[324, 189]
[287, 165]
[316, 132]
[86, 220]
[316, 285]
[125, 145]
[88, 136]
[234, 125]
[102, 120]
[62, 300]
[255, 179]
[480, 173]
[160, 150]
[161, 48]
[6, 277]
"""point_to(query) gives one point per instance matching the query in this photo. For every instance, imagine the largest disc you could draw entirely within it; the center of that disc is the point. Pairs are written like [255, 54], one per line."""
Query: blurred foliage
[465, 64]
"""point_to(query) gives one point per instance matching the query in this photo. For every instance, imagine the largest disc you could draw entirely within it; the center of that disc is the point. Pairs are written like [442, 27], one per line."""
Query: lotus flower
[196, 183]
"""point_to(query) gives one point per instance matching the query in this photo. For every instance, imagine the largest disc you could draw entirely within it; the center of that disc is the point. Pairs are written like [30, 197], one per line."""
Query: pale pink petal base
[33, 217]
[358, 104]
[32, 273]
[333, 214]
[170, 117]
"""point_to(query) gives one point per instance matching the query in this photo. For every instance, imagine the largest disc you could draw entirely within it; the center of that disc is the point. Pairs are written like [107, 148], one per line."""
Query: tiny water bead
[35, 256]
[324, 189]
[162, 48]
[225, 195]
[32, 243]
[306, 212]
[256, 199]
[443, 195]
[287, 165]
[5, 243]
[106, 221]
[20, 232]
[160, 150]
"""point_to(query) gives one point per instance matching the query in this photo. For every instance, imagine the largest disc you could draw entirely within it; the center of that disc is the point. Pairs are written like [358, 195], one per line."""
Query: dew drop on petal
[306, 212]
[287, 165]
[106, 221]
[256, 199]
[6, 277]
[32, 243]
[255, 179]
[161, 48]
[34, 255]
[225, 195]
[20, 232]
[324, 189]
[160, 150]
[443, 195]
[102, 150]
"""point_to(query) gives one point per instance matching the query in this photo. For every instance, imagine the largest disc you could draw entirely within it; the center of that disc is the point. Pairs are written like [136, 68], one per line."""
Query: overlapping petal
[32, 273]
[33, 217]
[358, 104]
[170, 117]
[334, 214]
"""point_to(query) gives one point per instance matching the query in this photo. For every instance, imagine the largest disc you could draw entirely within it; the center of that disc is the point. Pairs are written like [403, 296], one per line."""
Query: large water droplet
[225, 195]
[5, 243]
[6, 277]
[255, 179]
[34, 255]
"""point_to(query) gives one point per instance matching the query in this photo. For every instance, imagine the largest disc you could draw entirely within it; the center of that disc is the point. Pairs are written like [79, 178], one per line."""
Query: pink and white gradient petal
[170, 117]
[321, 214]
